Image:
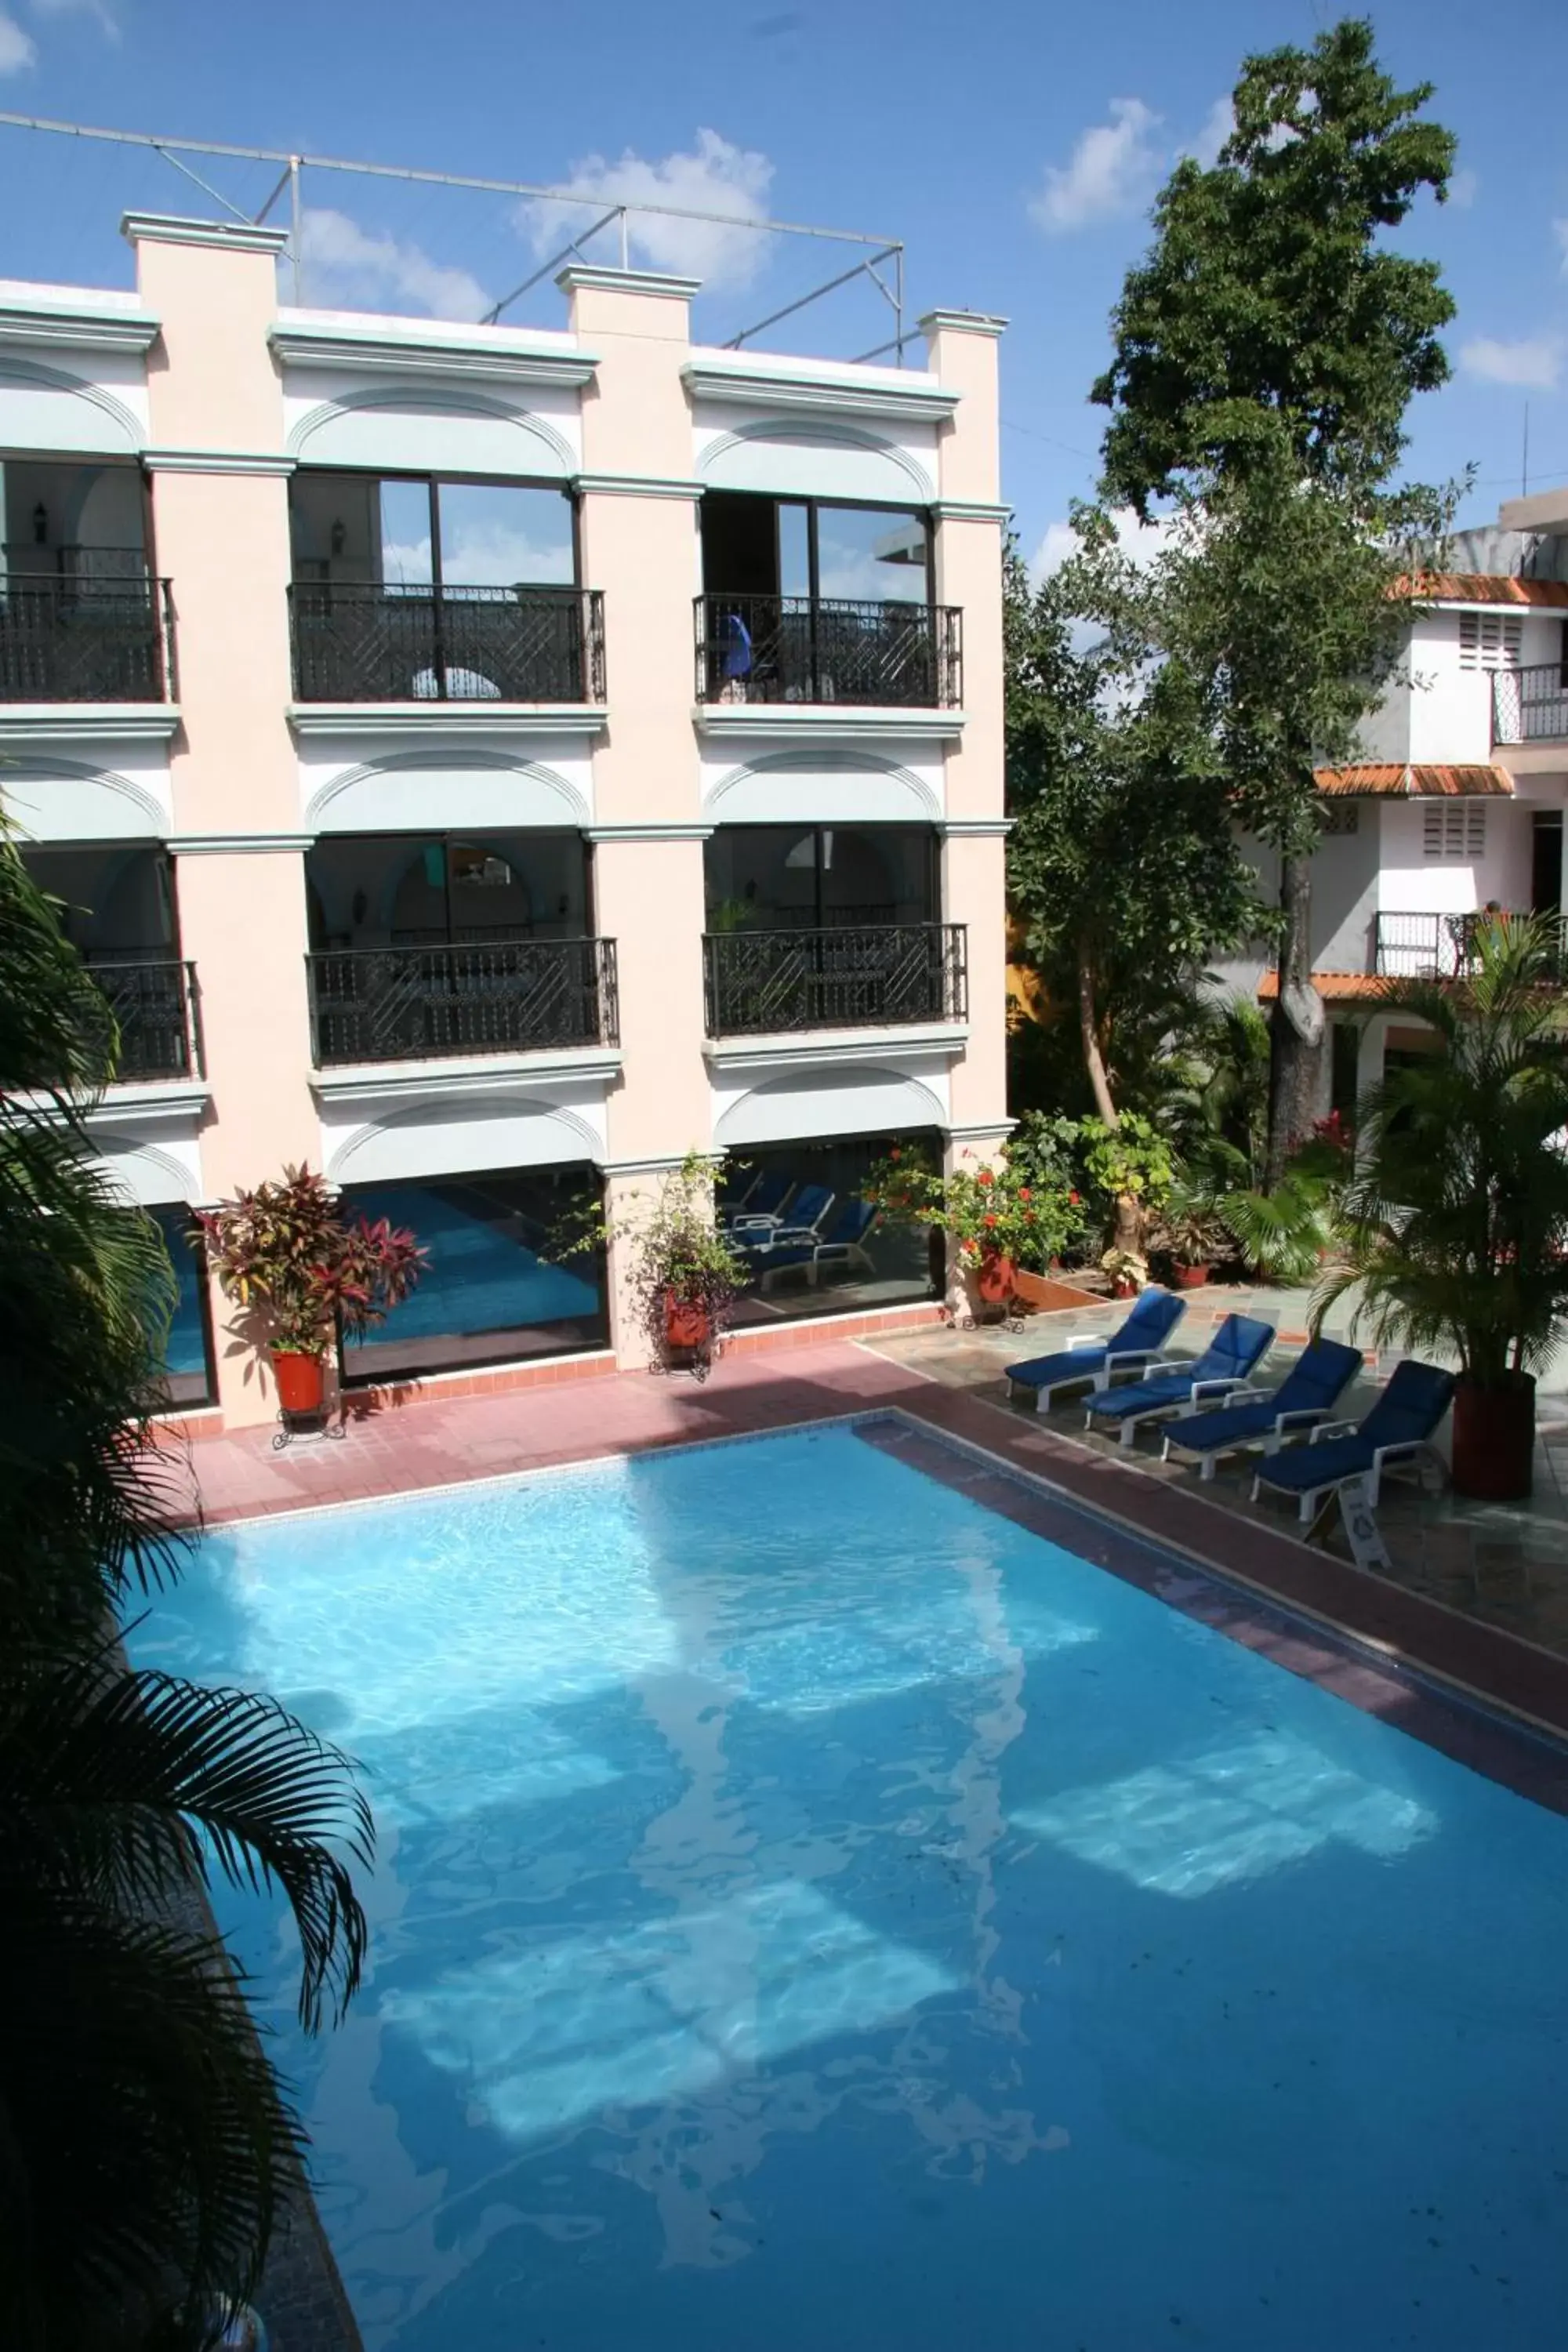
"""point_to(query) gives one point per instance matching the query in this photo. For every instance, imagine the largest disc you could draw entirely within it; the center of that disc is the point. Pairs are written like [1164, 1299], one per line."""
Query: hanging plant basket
[687, 1321]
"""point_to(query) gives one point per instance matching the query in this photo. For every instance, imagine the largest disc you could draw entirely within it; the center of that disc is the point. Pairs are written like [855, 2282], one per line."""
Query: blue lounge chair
[764, 1205]
[1092, 1356]
[841, 1247]
[1398, 1428]
[1238, 1347]
[1316, 1381]
[808, 1211]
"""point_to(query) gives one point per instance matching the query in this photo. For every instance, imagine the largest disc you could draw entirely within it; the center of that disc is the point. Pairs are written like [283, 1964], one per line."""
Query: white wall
[1411, 883]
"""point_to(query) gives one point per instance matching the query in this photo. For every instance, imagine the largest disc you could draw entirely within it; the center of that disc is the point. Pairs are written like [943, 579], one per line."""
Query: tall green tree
[1264, 354]
[1122, 865]
[145, 2145]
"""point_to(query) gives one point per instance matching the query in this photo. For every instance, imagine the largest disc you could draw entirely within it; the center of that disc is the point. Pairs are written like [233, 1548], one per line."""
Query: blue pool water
[475, 1278]
[813, 1910]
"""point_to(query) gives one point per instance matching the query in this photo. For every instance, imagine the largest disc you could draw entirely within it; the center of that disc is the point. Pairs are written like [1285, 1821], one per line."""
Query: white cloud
[1463, 189]
[1534, 362]
[1143, 541]
[715, 176]
[102, 12]
[1112, 169]
[1217, 125]
[346, 266]
[16, 48]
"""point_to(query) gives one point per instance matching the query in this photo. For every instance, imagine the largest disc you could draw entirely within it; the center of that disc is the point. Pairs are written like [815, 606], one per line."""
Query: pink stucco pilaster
[221, 526]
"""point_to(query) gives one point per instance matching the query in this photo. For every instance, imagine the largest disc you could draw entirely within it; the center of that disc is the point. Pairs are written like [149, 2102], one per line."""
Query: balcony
[92, 633]
[813, 649]
[880, 976]
[158, 1014]
[1434, 947]
[379, 643]
[478, 996]
[1531, 706]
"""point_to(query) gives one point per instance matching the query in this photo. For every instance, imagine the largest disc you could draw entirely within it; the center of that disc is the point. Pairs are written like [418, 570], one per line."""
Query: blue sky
[1013, 147]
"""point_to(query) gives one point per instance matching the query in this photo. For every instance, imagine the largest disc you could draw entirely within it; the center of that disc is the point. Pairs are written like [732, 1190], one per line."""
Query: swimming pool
[815, 1908]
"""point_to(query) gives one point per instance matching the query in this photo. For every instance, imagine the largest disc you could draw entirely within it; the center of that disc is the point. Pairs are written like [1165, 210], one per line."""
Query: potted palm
[1189, 1236]
[286, 1254]
[1454, 1227]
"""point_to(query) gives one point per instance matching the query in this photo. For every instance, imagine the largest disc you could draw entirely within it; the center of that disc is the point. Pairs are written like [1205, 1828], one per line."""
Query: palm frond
[125, 1784]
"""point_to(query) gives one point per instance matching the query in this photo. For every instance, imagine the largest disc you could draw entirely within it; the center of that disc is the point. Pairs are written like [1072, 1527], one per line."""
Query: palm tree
[145, 2145]
[1455, 1229]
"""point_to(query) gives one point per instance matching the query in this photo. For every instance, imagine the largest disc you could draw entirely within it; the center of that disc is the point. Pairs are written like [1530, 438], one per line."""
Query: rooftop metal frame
[882, 250]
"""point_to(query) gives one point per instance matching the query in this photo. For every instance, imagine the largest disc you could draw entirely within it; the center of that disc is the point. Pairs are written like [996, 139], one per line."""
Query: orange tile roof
[1389, 779]
[1485, 588]
[1333, 987]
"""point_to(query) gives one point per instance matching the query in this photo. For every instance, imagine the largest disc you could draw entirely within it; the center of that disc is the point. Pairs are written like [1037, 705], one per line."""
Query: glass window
[795, 551]
[871, 554]
[406, 558]
[495, 1287]
[188, 1350]
[774, 876]
[813, 1244]
[496, 535]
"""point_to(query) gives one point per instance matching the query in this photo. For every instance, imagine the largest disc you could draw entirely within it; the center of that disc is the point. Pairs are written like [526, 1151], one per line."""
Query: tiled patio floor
[951, 1382]
[1506, 1565]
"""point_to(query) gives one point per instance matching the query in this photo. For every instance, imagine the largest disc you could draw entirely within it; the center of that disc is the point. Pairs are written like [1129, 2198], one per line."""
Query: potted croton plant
[289, 1256]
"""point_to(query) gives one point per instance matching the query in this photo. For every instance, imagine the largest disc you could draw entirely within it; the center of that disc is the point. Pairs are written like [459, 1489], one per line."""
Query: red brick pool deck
[435, 1441]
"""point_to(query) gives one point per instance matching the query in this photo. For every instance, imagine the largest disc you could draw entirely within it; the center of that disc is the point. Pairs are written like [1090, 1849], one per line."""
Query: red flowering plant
[993, 1207]
[287, 1253]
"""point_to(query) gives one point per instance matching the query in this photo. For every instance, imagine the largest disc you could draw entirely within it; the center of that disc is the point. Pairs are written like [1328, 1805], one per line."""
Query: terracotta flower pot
[1190, 1277]
[300, 1379]
[1494, 1440]
[686, 1323]
[1123, 1287]
[994, 1277]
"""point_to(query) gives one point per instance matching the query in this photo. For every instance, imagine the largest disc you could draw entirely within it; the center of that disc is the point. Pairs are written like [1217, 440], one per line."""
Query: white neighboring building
[1459, 802]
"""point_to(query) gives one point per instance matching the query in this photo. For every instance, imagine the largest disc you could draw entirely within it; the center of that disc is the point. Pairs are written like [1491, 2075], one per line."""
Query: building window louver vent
[1454, 829]
[1488, 641]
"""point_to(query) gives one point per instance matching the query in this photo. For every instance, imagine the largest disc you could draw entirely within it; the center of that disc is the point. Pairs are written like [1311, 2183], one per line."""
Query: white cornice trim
[970, 511]
[975, 828]
[229, 236]
[749, 379]
[151, 1102]
[637, 486]
[416, 348]
[237, 845]
[604, 280]
[840, 1048]
[372, 1083]
[825, 722]
[660, 1166]
[636, 831]
[88, 722]
[218, 461]
[54, 326]
[965, 322]
[433, 717]
[980, 1130]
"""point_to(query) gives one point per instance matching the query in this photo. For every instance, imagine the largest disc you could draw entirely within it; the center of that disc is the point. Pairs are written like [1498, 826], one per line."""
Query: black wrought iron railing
[1531, 706]
[1441, 947]
[891, 974]
[404, 1004]
[157, 1012]
[822, 650]
[391, 644]
[82, 636]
